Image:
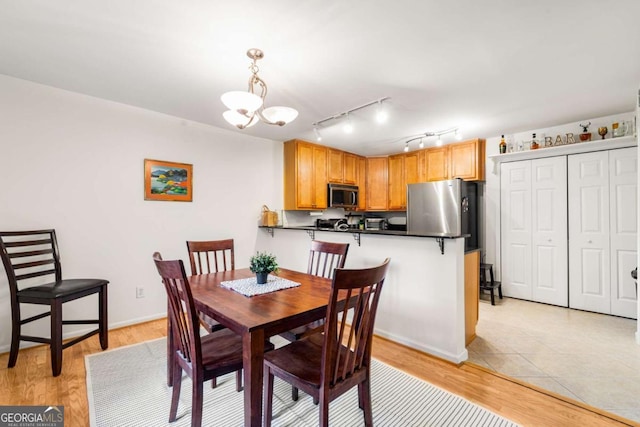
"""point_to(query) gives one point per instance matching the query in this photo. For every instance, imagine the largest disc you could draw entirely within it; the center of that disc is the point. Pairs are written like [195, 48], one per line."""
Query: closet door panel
[549, 231]
[589, 256]
[515, 202]
[623, 185]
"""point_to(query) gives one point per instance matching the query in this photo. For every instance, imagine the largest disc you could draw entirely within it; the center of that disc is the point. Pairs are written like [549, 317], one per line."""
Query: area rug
[127, 387]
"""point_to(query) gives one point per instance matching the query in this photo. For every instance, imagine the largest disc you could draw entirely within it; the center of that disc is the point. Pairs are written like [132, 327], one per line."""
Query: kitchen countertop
[380, 232]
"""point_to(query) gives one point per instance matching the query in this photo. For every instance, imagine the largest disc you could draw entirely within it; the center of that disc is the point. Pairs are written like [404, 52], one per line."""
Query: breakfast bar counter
[422, 304]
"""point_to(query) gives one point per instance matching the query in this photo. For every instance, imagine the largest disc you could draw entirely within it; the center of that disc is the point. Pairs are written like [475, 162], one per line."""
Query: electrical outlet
[139, 292]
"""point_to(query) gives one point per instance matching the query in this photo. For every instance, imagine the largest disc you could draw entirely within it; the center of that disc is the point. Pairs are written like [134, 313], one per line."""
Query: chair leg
[493, 298]
[169, 348]
[268, 396]
[239, 387]
[176, 380]
[197, 399]
[56, 337]
[103, 324]
[214, 382]
[364, 393]
[324, 410]
[15, 337]
[500, 290]
[294, 393]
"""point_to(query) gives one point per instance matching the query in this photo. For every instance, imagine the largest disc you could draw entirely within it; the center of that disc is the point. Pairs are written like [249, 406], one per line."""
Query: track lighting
[438, 136]
[317, 132]
[348, 127]
[381, 115]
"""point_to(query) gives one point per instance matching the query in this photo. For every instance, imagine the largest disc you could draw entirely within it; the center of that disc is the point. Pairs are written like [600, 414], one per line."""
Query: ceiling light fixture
[438, 134]
[246, 108]
[348, 126]
[317, 132]
[381, 115]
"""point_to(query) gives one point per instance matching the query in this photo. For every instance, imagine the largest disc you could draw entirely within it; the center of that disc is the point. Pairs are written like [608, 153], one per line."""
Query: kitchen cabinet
[403, 169]
[361, 163]
[350, 171]
[376, 184]
[341, 167]
[460, 160]
[305, 175]
[533, 202]
[335, 166]
[603, 231]
[471, 294]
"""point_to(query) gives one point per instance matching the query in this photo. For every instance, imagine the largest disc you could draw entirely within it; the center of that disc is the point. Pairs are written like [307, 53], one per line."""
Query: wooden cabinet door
[397, 183]
[305, 193]
[589, 256]
[471, 294]
[466, 160]
[436, 163]
[319, 177]
[335, 166]
[350, 169]
[412, 168]
[362, 183]
[377, 180]
[462, 160]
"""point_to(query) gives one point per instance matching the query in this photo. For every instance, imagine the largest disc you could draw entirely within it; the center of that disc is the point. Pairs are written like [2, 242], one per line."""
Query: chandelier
[246, 108]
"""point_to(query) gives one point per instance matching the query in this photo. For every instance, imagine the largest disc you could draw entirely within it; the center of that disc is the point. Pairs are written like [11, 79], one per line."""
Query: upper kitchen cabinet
[466, 160]
[361, 163]
[377, 179]
[461, 160]
[305, 175]
[342, 167]
[403, 169]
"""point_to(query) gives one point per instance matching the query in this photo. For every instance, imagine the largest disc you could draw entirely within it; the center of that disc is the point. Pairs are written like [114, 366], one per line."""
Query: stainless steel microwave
[343, 196]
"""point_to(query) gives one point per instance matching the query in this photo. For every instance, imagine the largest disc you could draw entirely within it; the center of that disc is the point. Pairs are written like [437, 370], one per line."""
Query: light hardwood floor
[31, 383]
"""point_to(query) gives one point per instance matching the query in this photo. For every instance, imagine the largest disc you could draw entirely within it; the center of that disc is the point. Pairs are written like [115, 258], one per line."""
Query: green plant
[263, 262]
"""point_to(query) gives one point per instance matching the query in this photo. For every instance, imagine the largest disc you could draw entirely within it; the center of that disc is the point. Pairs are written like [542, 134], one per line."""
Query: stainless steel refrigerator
[444, 208]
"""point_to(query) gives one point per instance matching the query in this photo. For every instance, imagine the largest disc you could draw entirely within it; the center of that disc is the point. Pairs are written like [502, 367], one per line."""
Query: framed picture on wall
[169, 181]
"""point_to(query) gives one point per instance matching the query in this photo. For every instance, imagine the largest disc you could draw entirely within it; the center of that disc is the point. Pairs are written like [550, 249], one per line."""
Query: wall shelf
[561, 150]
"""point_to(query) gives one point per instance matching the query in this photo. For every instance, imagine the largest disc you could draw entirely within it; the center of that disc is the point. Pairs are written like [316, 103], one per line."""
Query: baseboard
[26, 344]
[450, 357]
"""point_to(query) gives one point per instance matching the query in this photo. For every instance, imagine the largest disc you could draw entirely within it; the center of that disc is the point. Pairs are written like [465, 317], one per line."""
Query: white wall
[75, 163]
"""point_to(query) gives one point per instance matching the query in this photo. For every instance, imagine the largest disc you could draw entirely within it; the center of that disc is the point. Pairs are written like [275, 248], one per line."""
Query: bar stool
[490, 285]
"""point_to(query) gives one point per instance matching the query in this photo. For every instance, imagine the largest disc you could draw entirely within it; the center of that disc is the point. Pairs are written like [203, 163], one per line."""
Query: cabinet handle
[549, 240]
[589, 241]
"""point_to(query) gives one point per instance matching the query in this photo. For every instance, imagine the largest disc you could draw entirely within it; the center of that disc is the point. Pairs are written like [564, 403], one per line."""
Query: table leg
[252, 362]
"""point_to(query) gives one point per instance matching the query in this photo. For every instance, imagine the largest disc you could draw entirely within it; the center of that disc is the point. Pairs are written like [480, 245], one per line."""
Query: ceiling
[489, 67]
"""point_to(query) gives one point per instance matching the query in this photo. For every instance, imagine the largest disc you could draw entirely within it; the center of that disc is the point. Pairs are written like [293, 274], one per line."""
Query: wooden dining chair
[324, 258]
[212, 256]
[202, 358]
[327, 365]
[31, 254]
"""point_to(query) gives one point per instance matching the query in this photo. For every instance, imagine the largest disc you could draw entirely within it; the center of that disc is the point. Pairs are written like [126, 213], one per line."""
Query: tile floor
[590, 357]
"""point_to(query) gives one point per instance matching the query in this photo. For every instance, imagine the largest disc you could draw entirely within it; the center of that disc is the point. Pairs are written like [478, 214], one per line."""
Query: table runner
[249, 286]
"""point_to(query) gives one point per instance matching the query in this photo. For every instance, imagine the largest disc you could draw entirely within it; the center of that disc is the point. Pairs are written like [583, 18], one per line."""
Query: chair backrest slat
[325, 257]
[183, 315]
[344, 355]
[27, 251]
[217, 254]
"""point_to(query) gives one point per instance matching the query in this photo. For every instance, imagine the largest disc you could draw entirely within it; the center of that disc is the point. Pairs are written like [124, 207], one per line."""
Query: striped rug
[127, 387]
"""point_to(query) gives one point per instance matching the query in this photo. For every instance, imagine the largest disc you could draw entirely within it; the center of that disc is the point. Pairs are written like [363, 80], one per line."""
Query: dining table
[259, 317]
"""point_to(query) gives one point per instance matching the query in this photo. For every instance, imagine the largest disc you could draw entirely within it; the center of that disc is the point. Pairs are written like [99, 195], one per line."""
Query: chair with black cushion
[327, 365]
[202, 358]
[29, 255]
[491, 284]
[324, 258]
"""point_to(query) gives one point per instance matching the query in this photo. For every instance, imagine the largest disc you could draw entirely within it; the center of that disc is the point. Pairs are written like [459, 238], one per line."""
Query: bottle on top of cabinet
[503, 145]
[534, 143]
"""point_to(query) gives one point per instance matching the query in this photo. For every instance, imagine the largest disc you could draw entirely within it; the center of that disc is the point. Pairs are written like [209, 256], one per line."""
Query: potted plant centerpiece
[263, 263]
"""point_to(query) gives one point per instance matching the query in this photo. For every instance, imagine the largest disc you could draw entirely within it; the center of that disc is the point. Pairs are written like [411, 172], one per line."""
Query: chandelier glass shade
[247, 108]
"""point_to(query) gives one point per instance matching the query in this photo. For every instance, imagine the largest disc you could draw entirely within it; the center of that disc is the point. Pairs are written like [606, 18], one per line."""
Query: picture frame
[168, 181]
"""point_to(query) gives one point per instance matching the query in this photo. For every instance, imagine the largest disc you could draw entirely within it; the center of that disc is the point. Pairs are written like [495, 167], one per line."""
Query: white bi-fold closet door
[602, 231]
[533, 201]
